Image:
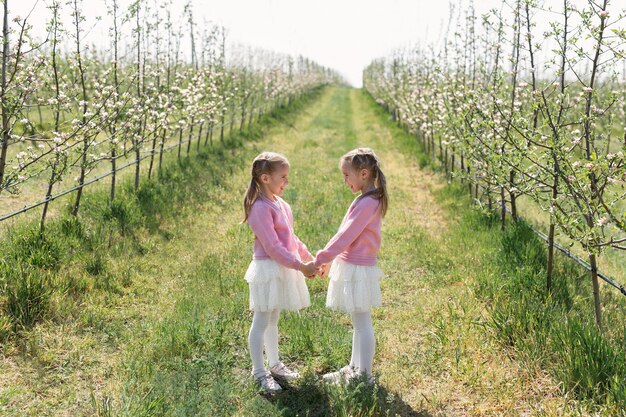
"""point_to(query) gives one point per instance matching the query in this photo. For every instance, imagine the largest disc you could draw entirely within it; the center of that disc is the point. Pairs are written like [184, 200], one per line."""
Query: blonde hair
[365, 158]
[264, 163]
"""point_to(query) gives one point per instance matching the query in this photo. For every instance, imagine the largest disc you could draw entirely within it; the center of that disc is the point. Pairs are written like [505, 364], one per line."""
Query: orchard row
[513, 112]
[71, 107]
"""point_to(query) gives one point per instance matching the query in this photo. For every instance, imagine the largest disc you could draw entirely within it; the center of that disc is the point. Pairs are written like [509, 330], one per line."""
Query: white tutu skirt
[353, 288]
[274, 286]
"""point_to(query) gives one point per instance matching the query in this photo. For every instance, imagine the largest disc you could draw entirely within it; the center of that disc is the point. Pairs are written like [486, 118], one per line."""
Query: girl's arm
[305, 255]
[261, 223]
[360, 216]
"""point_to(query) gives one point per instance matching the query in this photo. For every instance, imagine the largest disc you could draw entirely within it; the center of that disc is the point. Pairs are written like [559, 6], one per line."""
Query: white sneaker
[281, 371]
[344, 374]
[362, 376]
[267, 382]
[370, 379]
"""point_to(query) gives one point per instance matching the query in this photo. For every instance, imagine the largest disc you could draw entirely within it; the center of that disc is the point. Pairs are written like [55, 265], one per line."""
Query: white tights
[363, 342]
[264, 330]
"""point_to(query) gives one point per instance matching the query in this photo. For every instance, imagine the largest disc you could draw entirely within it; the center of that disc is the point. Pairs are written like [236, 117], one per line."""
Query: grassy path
[174, 341]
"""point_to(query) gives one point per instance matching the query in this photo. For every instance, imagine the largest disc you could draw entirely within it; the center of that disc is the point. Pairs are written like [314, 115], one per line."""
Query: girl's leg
[362, 323]
[271, 338]
[354, 359]
[260, 322]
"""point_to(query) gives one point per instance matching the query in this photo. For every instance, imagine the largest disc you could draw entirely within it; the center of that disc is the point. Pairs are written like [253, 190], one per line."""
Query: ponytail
[381, 190]
[249, 198]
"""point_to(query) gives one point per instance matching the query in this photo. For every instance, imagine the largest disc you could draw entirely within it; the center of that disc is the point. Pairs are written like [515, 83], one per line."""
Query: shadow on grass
[313, 398]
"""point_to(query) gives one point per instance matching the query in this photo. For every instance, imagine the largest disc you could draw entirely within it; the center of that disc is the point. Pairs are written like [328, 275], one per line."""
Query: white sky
[342, 34]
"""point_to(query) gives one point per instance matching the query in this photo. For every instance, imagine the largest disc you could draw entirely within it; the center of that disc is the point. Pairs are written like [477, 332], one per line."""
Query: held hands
[309, 270]
[322, 271]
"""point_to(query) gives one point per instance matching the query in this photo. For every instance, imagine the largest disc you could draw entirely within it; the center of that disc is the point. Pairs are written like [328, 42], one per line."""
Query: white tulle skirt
[273, 286]
[353, 288]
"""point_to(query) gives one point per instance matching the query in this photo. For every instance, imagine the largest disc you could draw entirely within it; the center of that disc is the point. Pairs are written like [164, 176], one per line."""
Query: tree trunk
[222, 128]
[550, 266]
[5, 106]
[86, 138]
[462, 166]
[113, 173]
[53, 179]
[152, 153]
[161, 151]
[199, 137]
[513, 196]
[596, 291]
[190, 137]
[503, 209]
[137, 166]
[180, 141]
[208, 132]
[243, 117]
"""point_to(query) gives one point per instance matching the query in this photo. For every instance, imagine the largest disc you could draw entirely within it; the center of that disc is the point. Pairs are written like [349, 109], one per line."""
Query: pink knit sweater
[272, 224]
[358, 239]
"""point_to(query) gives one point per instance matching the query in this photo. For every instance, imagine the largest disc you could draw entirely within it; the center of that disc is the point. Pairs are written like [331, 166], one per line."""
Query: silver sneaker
[267, 382]
[343, 375]
[281, 371]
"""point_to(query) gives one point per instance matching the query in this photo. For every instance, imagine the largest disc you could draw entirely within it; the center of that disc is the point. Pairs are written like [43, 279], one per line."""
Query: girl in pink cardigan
[354, 277]
[275, 275]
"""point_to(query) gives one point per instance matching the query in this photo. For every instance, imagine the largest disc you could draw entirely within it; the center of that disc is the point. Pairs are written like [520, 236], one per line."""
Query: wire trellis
[109, 173]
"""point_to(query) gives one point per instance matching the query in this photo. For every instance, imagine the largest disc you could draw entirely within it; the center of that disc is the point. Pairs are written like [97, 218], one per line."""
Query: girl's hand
[308, 269]
[323, 270]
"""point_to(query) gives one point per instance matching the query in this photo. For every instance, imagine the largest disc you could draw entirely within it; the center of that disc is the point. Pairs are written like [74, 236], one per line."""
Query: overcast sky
[342, 34]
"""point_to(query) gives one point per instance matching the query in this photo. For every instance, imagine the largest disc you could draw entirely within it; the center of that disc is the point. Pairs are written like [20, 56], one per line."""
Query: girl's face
[358, 180]
[274, 184]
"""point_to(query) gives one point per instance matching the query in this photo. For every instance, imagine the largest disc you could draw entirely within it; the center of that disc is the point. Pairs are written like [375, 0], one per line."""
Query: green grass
[143, 307]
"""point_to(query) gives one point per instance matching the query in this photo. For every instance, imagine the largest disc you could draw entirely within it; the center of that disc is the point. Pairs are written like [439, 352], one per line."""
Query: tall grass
[552, 331]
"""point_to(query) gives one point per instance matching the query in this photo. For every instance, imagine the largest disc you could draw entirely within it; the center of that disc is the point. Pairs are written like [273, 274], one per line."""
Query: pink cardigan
[272, 224]
[358, 239]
